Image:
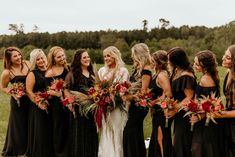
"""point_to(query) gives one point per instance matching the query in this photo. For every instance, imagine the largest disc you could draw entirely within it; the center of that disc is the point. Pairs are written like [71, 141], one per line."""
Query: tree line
[192, 39]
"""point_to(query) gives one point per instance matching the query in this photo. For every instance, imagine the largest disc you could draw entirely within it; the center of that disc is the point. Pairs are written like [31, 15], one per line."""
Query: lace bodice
[121, 74]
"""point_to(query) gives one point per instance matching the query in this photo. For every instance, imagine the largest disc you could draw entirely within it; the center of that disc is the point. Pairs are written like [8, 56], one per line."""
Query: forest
[164, 36]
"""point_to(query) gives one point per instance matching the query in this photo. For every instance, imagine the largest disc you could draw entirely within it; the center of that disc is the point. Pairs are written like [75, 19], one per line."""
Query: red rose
[193, 107]
[207, 106]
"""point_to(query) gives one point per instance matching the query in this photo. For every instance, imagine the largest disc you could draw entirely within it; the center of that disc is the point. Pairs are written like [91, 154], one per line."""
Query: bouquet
[57, 85]
[211, 104]
[193, 108]
[102, 102]
[70, 103]
[17, 91]
[144, 99]
[166, 104]
[41, 100]
[119, 89]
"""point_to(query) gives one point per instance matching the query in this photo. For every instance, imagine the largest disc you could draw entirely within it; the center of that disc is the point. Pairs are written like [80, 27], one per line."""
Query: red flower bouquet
[100, 95]
[145, 99]
[166, 104]
[70, 103]
[193, 108]
[17, 90]
[211, 104]
[41, 100]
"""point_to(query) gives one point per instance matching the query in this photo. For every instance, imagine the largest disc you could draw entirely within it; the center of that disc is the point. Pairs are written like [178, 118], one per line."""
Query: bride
[111, 140]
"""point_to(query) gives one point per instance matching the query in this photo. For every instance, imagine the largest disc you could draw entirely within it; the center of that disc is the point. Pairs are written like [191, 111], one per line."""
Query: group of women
[34, 132]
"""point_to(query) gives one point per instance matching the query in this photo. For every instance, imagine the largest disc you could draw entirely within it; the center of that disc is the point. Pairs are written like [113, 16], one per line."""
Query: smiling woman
[15, 72]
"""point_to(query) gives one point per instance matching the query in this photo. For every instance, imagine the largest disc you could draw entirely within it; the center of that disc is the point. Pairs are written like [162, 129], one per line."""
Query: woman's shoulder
[207, 81]
[6, 73]
[187, 74]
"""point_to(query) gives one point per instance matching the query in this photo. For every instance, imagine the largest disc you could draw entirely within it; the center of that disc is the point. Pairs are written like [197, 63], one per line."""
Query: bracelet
[199, 117]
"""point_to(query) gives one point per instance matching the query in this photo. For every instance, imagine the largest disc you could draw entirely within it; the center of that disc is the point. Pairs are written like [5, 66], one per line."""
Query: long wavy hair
[76, 66]
[7, 57]
[207, 61]
[141, 53]
[178, 58]
[160, 58]
[51, 57]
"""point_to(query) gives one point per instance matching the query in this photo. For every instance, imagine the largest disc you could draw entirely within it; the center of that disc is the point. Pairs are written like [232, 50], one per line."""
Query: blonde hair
[115, 53]
[141, 53]
[51, 55]
[33, 57]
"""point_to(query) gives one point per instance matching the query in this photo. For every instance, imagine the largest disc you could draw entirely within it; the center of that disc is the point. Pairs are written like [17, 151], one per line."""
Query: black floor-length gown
[158, 120]
[83, 131]
[16, 138]
[60, 120]
[229, 132]
[206, 139]
[40, 124]
[133, 136]
[182, 134]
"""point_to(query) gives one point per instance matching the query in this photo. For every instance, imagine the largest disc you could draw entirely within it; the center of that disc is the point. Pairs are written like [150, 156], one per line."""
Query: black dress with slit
[17, 131]
[206, 139]
[182, 134]
[158, 120]
[133, 136]
[60, 120]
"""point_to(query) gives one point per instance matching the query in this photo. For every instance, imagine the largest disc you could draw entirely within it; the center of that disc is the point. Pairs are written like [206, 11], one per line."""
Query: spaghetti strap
[11, 73]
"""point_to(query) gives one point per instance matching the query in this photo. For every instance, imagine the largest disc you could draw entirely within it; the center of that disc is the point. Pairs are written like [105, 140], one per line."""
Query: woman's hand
[55, 93]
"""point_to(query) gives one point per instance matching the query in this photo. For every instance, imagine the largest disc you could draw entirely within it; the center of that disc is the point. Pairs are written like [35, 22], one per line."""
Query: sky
[94, 15]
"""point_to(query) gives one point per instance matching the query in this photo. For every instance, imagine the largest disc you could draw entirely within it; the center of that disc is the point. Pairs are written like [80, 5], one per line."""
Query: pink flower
[163, 105]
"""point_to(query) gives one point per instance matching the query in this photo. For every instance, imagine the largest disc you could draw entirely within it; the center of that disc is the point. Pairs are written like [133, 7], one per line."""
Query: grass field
[4, 110]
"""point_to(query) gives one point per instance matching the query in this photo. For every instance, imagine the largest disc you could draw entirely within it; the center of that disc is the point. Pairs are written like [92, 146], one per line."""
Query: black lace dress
[40, 124]
[182, 134]
[133, 136]
[229, 133]
[17, 131]
[60, 121]
[84, 136]
[206, 139]
[158, 120]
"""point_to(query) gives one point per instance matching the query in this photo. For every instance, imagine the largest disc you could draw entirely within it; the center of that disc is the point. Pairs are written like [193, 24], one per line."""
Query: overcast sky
[91, 15]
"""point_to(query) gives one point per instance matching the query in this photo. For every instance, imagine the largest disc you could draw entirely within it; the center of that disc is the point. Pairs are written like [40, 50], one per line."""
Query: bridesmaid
[57, 69]
[183, 84]
[83, 132]
[15, 71]
[40, 132]
[133, 137]
[229, 114]
[160, 142]
[205, 142]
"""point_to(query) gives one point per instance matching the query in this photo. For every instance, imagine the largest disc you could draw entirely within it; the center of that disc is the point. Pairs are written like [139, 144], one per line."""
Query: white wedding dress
[111, 139]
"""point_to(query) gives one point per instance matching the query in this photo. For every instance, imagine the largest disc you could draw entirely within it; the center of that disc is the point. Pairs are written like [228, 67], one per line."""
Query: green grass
[5, 108]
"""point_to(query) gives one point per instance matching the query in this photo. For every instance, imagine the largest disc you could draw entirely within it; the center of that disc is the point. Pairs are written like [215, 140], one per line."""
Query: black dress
[40, 125]
[229, 133]
[60, 121]
[158, 120]
[17, 131]
[182, 134]
[84, 136]
[206, 139]
[133, 136]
